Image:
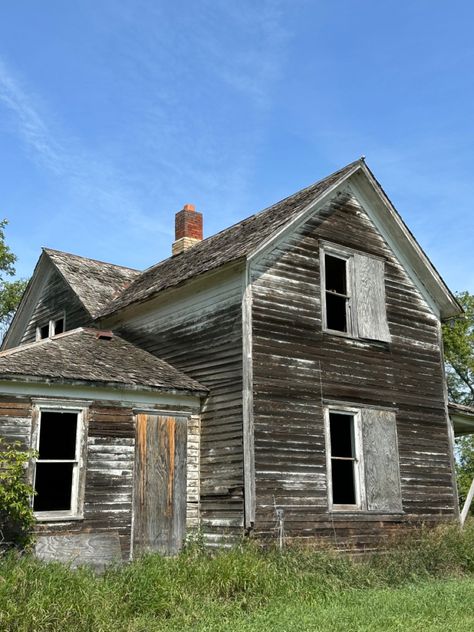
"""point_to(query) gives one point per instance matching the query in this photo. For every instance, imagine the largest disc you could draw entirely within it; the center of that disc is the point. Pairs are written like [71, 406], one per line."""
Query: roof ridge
[71, 254]
[250, 217]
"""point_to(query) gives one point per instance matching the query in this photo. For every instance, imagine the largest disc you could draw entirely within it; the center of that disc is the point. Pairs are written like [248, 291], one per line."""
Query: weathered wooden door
[160, 484]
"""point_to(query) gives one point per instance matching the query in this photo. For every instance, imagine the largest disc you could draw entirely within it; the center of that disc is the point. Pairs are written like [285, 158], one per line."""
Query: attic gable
[82, 286]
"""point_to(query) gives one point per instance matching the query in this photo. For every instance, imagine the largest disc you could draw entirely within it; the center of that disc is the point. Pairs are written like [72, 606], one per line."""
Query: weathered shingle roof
[229, 245]
[96, 283]
[81, 356]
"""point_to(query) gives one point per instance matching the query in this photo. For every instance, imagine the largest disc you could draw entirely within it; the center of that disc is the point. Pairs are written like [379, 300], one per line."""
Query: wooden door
[160, 484]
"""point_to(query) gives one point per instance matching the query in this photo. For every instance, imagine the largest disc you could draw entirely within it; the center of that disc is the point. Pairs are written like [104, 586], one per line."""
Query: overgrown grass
[250, 589]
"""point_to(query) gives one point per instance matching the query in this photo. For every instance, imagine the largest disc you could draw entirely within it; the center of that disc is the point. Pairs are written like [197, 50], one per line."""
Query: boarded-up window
[381, 463]
[369, 288]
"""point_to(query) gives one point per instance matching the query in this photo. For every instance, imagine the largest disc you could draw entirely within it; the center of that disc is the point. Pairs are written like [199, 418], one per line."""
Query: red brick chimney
[188, 229]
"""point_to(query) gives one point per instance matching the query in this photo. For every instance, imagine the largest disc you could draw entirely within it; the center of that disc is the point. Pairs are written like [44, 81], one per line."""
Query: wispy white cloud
[92, 177]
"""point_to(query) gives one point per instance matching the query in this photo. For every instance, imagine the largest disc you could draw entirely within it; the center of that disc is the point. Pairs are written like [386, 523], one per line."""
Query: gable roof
[96, 283]
[248, 236]
[81, 355]
[231, 244]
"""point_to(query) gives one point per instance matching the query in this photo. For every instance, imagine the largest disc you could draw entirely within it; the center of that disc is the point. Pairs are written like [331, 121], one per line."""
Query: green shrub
[16, 513]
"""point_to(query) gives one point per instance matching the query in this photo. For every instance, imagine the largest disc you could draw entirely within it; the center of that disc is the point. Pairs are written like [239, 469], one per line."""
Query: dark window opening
[53, 484]
[44, 331]
[57, 460]
[336, 293]
[58, 326]
[57, 436]
[335, 275]
[336, 316]
[343, 459]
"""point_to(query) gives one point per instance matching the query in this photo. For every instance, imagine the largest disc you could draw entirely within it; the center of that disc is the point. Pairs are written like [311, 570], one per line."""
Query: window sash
[348, 296]
[77, 462]
[356, 459]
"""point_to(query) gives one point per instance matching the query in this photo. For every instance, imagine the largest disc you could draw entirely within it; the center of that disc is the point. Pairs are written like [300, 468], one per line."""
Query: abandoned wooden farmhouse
[284, 373]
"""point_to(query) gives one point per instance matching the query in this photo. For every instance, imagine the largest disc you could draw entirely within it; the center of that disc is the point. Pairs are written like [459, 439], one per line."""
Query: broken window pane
[53, 485]
[343, 489]
[336, 275]
[57, 436]
[43, 331]
[336, 317]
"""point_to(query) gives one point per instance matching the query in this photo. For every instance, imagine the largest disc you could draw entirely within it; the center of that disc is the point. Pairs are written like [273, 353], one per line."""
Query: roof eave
[50, 380]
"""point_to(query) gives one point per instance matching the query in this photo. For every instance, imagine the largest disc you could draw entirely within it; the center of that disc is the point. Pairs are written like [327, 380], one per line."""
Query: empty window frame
[337, 292]
[54, 327]
[344, 459]
[57, 469]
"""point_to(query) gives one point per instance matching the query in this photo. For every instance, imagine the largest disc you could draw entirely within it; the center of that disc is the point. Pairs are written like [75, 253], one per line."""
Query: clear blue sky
[114, 114]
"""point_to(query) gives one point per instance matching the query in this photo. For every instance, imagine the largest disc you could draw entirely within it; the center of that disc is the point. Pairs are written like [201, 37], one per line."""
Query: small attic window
[42, 332]
[54, 327]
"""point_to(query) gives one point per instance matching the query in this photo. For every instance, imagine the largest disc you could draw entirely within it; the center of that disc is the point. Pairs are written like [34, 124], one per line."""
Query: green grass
[418, 584]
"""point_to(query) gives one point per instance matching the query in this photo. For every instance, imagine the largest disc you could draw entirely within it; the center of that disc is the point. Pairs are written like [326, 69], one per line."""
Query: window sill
[56, 516]
[364, 512]
[349, 336]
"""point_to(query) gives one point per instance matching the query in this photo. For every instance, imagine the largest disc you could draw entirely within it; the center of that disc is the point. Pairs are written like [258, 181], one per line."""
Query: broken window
[344, 462]
[56, 472]
[353, 293]
[337, 296]
[362, 460]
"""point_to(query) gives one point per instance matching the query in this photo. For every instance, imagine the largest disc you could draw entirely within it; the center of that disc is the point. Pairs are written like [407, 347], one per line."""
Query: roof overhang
[462, 418]
[124, 394]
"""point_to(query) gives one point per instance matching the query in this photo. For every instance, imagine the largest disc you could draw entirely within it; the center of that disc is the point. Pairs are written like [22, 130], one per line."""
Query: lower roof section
[93, 359]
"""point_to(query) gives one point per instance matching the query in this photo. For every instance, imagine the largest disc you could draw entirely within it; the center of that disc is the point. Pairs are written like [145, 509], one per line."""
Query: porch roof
[462, 418]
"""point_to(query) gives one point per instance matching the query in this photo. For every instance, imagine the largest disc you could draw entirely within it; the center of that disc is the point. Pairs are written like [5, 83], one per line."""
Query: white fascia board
[318, 202]
[392, 227]
[23, 314]
[81, 392]
[360, 182]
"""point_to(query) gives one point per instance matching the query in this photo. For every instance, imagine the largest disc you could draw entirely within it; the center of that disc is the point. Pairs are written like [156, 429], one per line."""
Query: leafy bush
[16, 513]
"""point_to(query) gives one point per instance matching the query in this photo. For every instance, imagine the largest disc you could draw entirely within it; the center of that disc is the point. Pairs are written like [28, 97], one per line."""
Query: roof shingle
[80, 355]
[96, 283]
[231, 244]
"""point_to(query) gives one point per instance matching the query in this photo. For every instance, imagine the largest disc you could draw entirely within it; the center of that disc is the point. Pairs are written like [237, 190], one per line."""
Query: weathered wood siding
[15, 420]
[296, 367]
[55, 299]
[199, 331]
[105, 531]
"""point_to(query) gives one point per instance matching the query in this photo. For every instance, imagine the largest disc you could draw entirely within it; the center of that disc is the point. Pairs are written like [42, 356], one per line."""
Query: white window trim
[343, 252]
[78, 479]
[348, 256]
[359, 480]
